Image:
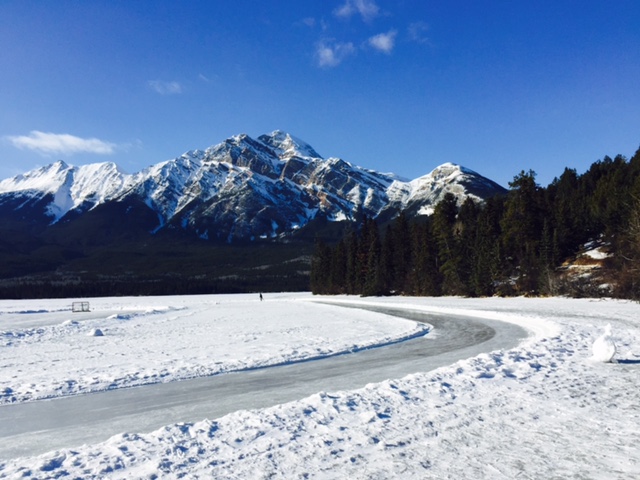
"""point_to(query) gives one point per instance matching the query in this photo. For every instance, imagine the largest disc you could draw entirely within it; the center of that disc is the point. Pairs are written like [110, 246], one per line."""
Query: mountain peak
[286, 145]
[59, 165]
[46, 179]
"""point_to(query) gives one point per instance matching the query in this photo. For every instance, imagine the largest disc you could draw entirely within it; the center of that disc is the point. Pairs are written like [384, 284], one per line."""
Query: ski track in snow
[544, 409]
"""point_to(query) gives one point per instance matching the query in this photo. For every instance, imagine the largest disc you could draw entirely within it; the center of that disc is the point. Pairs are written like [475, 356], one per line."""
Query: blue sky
[396, 86]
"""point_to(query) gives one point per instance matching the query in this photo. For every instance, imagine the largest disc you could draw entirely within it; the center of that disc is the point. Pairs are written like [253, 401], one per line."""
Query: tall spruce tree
[351, 276]
[401, 244]
[629, 251]
[444, 222]
[373, 281]
[467, 230]
[488, 269]
[387, 262]
[320, 268]
[424, 277]
[338, 274]
[522, 228]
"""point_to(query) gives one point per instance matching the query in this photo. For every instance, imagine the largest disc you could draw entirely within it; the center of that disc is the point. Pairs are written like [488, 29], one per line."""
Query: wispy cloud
[165, 88]
[367, 9]
[61, 143]
[331, 54]
[309, 21]
[418, 32]
[384, 42]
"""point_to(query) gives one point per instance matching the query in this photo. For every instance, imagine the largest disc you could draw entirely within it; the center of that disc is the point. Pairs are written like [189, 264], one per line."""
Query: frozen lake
[36, 427]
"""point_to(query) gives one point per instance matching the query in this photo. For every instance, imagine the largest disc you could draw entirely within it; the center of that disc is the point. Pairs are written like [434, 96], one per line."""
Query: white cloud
[61, 143]
[165, 88]
[332, 54]
[367, 9]
[384, 42]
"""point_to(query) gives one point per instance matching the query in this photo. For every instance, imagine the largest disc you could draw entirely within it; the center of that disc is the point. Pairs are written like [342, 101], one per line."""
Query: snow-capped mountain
[242, 188]
[66, 188]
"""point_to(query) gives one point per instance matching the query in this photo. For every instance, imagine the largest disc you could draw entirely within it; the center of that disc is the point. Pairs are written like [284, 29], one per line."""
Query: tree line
[77, 286]
[512, 244]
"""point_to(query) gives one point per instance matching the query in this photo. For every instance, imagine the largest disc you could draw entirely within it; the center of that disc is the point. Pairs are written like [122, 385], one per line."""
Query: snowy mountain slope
[242, 188]
[69, 187]
[419, 196]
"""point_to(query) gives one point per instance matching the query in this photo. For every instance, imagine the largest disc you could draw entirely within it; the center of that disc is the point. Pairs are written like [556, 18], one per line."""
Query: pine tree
[338, 273]
[351, 275]
[467, 231]
[401, 244]
[387, 262]
[522, 227]
[488, 270]
[629, 253]
[444, 221]
[569, 222]
[425, 276]
[373, 282]
[320, 268]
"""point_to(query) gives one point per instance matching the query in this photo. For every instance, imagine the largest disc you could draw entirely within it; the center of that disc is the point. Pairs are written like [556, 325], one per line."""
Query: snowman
[604, 348]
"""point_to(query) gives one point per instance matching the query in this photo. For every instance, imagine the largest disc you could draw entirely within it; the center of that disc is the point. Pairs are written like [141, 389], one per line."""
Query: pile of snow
[540, 410]
[597, 254]
[604, 348]
[96, 332]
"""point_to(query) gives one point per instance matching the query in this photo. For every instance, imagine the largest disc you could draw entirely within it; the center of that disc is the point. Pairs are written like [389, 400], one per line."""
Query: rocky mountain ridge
[239, 189]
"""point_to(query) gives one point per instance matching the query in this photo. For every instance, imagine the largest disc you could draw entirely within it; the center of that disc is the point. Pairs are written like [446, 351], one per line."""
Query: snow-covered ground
[544, 409]
[160, 339]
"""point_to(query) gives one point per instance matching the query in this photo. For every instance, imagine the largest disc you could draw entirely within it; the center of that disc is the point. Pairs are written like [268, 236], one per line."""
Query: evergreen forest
[515, 244]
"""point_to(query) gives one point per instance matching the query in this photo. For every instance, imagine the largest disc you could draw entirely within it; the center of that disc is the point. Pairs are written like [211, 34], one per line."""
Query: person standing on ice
[261, 297]
[604, 347]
